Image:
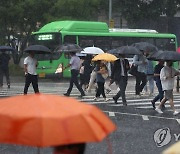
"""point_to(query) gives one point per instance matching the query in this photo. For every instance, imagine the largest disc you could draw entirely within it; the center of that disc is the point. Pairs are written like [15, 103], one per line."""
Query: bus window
[44, 57]
[117, 42]
[165, 44]
[131, 40]
[147, 39]
[70, 39]
[86, 41]
[103, 43]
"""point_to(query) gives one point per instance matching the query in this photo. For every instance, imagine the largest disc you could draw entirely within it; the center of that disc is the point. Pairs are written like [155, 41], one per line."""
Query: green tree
[137, 10]
[75, 9]
[19, 18]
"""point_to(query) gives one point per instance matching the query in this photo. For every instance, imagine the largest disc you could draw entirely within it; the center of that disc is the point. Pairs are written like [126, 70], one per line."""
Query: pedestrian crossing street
[144, 102]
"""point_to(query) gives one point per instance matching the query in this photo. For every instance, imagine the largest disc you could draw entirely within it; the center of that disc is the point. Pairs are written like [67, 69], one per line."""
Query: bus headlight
[59, 69]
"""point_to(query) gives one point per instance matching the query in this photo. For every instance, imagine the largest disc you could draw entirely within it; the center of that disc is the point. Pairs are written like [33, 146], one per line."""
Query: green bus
[86, 34]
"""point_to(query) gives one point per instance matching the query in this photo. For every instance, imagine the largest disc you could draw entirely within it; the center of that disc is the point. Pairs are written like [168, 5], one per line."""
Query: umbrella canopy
[68, 48]
[49, 120]
[154, 55]
[105, 57]
[6, 48]
[92, 50]
[168, 55]
[145, 46]
[174, 149]
[38, 49]
[126, 50]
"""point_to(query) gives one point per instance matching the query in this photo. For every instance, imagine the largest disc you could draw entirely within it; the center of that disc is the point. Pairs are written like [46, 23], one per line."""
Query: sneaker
[151, 94]
[81, 96]
[95, 99]
[175, 113]
[124, 103]
[66, 94]
[138, 96]
[115, 100]
[106, 99]
[153, 104]
[158, 110]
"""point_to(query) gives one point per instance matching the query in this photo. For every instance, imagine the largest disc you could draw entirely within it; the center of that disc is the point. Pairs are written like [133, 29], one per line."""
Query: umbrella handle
[38, 150]
[109, 145]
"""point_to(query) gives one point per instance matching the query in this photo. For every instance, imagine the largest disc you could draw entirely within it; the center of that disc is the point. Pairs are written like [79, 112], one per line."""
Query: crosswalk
[141, 103]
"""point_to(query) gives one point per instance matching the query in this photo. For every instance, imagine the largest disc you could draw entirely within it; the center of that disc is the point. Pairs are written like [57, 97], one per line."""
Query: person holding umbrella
[120, 76]
[141, 62]
[4, 69]
[30, 64]
[75, 66]
[167, 76]
[70, 149]
[157, 70]
[101, 71]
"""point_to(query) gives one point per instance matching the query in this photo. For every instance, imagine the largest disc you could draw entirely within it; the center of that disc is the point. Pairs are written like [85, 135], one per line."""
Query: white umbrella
[92, 50]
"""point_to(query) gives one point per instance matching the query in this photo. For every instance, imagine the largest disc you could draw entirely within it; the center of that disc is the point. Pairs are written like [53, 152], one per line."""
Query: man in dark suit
[120, 75]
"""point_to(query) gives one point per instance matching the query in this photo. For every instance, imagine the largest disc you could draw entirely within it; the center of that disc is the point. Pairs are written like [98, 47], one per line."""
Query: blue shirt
[75, 63]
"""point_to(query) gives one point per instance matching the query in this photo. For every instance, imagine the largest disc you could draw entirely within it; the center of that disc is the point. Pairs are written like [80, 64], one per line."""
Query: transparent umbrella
[92, 50]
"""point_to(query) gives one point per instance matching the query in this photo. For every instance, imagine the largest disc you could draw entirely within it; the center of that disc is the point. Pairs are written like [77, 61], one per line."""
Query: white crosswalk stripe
[142, 103]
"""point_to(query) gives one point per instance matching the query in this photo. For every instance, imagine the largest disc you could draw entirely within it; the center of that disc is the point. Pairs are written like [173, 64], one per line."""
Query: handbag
[133, 70]
[105, 75]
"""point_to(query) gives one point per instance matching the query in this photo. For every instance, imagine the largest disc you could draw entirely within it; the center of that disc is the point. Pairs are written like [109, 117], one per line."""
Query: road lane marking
[132, 114]
[145, 117]
[111, 114]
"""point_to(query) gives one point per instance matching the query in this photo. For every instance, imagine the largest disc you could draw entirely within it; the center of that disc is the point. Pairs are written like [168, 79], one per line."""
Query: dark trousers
[122, 86]
[31, 79]
[100, 89]
[160, 90]
[74, 80]
[4, 72]
[141, 81]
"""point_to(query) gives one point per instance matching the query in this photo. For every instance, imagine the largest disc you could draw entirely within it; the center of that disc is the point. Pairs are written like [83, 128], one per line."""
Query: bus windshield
[50, 40]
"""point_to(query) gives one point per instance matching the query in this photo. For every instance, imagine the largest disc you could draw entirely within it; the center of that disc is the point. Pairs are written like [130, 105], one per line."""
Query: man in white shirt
[167, 76]
[74, 65]
[30, 64]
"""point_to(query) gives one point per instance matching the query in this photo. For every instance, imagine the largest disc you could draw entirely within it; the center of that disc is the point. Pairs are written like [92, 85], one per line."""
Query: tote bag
[133, 70]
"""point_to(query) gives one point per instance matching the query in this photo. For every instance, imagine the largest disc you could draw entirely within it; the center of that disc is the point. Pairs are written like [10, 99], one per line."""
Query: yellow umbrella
[174, 149]
[105, 57]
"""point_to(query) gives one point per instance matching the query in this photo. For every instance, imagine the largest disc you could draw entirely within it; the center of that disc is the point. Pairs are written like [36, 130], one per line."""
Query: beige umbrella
[105, 57]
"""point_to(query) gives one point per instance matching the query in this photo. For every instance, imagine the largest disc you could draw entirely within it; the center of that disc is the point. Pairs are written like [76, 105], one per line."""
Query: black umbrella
[154, 55]
[145, 46]
[4, 48]
[128, 50]
[168, 55]
[113, 51]
[68, 48]
[38, 49]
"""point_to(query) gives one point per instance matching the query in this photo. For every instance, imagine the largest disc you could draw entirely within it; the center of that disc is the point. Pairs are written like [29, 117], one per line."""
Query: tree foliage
[19, 18]
[136, 10]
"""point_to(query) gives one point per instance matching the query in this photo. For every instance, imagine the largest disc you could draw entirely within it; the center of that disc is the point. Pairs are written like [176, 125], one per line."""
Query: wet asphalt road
[136, 123]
